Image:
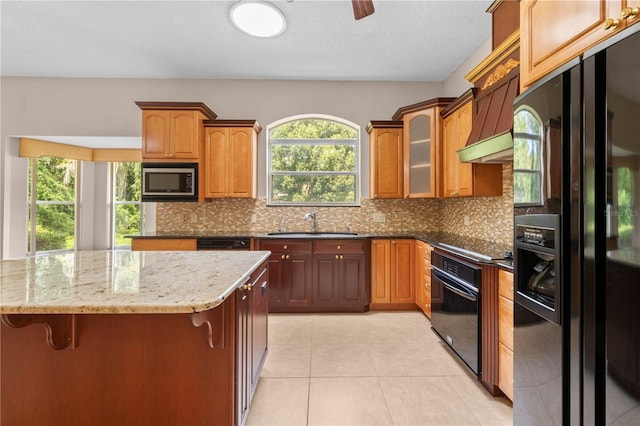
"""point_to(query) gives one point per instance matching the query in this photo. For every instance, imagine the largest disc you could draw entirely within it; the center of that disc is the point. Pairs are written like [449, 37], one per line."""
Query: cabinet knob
[246, 287]
[611, 23]
[285, 247]
[282, 257]
[341, 257]
[629, 12]
[337, 257]
[166, 155]
[338, 247]
[287, 256]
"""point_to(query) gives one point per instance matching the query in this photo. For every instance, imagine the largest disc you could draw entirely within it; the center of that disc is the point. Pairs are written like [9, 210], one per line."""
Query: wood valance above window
[36, 148]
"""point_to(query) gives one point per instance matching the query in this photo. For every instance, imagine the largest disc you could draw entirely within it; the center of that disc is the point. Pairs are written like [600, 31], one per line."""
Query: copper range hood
[491, 137]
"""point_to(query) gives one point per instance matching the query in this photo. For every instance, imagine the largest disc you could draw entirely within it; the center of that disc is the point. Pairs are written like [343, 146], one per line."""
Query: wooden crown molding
[499, 54]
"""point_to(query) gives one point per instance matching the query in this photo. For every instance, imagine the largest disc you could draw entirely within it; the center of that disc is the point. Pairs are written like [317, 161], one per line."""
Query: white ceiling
[423, 40]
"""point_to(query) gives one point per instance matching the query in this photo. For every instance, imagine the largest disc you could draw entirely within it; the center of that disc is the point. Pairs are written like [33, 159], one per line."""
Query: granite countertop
[489, 250]
[122, 281]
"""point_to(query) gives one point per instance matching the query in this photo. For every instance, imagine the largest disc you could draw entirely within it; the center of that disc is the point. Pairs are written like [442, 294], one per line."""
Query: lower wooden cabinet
[251, 338]
[163, 244]
[505, 332]
[392, 280]
[318, 276]
[423, 277]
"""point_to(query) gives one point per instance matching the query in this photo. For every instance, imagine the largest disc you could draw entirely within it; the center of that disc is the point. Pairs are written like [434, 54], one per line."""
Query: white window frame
[34, 203]
[114, 204]
[356, 173]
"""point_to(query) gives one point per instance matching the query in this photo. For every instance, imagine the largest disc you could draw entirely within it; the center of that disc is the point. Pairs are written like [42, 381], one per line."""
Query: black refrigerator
[577, 241]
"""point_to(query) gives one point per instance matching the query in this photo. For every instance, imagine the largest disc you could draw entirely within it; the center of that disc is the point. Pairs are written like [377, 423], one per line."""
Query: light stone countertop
[122, 281]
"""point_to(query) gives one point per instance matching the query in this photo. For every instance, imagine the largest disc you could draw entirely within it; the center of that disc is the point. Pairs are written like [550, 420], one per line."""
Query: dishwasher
[223, 243]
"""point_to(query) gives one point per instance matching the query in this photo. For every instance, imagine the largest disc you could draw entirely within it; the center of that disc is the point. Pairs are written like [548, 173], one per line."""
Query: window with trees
[52, 204]
[527, 158]
[313, 160]
[127, 207]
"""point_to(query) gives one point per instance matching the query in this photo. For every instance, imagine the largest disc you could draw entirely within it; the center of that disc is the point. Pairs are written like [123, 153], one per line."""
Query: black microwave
[169, 182]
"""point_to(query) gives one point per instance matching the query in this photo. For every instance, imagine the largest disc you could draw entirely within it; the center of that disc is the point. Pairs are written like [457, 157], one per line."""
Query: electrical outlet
[253, 218]
[379, 218]
[193, 218]
[466, 220]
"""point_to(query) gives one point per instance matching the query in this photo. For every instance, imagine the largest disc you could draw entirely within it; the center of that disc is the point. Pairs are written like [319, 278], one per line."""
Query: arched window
[527, 158]
[313, 160]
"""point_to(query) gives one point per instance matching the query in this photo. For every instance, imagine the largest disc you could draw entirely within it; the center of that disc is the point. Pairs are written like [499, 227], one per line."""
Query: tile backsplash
[489, 218]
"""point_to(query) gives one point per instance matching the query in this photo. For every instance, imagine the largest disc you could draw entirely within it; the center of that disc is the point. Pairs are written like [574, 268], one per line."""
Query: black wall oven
[455, 316]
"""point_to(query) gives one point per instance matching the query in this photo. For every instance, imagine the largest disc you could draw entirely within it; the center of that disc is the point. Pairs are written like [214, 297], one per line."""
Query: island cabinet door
[260, 305]
[243, 353]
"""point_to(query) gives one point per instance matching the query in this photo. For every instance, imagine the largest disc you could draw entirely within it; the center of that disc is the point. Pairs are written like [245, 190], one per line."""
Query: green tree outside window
[313, 161]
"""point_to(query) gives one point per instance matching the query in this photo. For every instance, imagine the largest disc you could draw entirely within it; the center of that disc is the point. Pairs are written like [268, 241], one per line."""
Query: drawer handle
[611, 23]
[629, 12]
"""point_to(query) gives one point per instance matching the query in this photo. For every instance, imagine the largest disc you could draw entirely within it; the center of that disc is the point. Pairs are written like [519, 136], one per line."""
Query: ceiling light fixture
[257, 18]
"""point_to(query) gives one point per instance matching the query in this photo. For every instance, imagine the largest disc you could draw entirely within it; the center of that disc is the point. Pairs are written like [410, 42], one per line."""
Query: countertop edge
[53, 309]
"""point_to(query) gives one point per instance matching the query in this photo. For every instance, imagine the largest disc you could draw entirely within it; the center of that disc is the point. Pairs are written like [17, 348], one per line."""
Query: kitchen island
[120, 337]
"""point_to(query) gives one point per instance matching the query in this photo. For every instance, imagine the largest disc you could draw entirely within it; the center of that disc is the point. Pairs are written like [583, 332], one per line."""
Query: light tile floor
[376, 368]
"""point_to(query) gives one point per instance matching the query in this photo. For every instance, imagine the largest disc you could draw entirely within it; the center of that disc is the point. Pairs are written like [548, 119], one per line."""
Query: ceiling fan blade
[362, 8]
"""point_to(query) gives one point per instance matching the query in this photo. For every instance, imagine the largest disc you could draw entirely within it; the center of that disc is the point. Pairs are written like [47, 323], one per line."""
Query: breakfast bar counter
[120, 337]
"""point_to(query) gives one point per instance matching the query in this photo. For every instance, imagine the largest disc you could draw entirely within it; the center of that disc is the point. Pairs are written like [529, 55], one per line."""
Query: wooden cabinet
[465, 179]
[392, 277]
[173, 130]
[554, 32]
[290, 274]
[386, 159]
[230, 159]
[423, 276]
[163, 244]
[318, 275]
[339, 275]
[505, 332]
[251, 338]
[422, 147]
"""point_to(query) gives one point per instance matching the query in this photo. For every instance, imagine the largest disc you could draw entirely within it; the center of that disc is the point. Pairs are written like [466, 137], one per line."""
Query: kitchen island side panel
[125, 369]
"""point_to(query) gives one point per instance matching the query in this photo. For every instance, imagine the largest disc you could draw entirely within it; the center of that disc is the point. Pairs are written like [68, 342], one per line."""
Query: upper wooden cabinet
[230, 158]
[422, 147]
[173, 130]
[554, 32]
[386, 159]
[465, 179]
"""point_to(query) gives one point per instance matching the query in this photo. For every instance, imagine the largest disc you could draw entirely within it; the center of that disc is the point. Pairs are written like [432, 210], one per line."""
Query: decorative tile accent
[490, 218]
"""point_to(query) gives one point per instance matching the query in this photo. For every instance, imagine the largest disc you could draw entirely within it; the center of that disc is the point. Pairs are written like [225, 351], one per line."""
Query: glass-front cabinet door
[420, 154]
[422, 142]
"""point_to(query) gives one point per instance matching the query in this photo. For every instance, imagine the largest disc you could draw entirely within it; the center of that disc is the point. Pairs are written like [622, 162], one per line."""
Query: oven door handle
[453, 286]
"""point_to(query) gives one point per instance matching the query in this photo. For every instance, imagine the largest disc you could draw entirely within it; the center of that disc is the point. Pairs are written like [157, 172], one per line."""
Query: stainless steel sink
[312, 234]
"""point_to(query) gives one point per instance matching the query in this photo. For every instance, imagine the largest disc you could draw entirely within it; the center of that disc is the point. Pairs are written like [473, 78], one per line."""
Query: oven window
[527, 158]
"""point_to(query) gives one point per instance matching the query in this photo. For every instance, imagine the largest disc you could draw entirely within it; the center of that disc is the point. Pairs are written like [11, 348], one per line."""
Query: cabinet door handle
[282, 257]
[287, 256]
[338, 247]
[611, 23]
[629, 12]
[337, 257]
[285, 247]
[341, 257]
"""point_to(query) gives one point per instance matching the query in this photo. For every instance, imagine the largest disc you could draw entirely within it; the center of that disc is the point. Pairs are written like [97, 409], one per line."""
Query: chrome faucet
[311, 216]
[280, 229]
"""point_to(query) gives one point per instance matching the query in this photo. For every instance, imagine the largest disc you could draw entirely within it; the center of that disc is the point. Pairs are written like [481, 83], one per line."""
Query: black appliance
[169, 182]
[455, 316]
[584, 366]
[223, 243]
